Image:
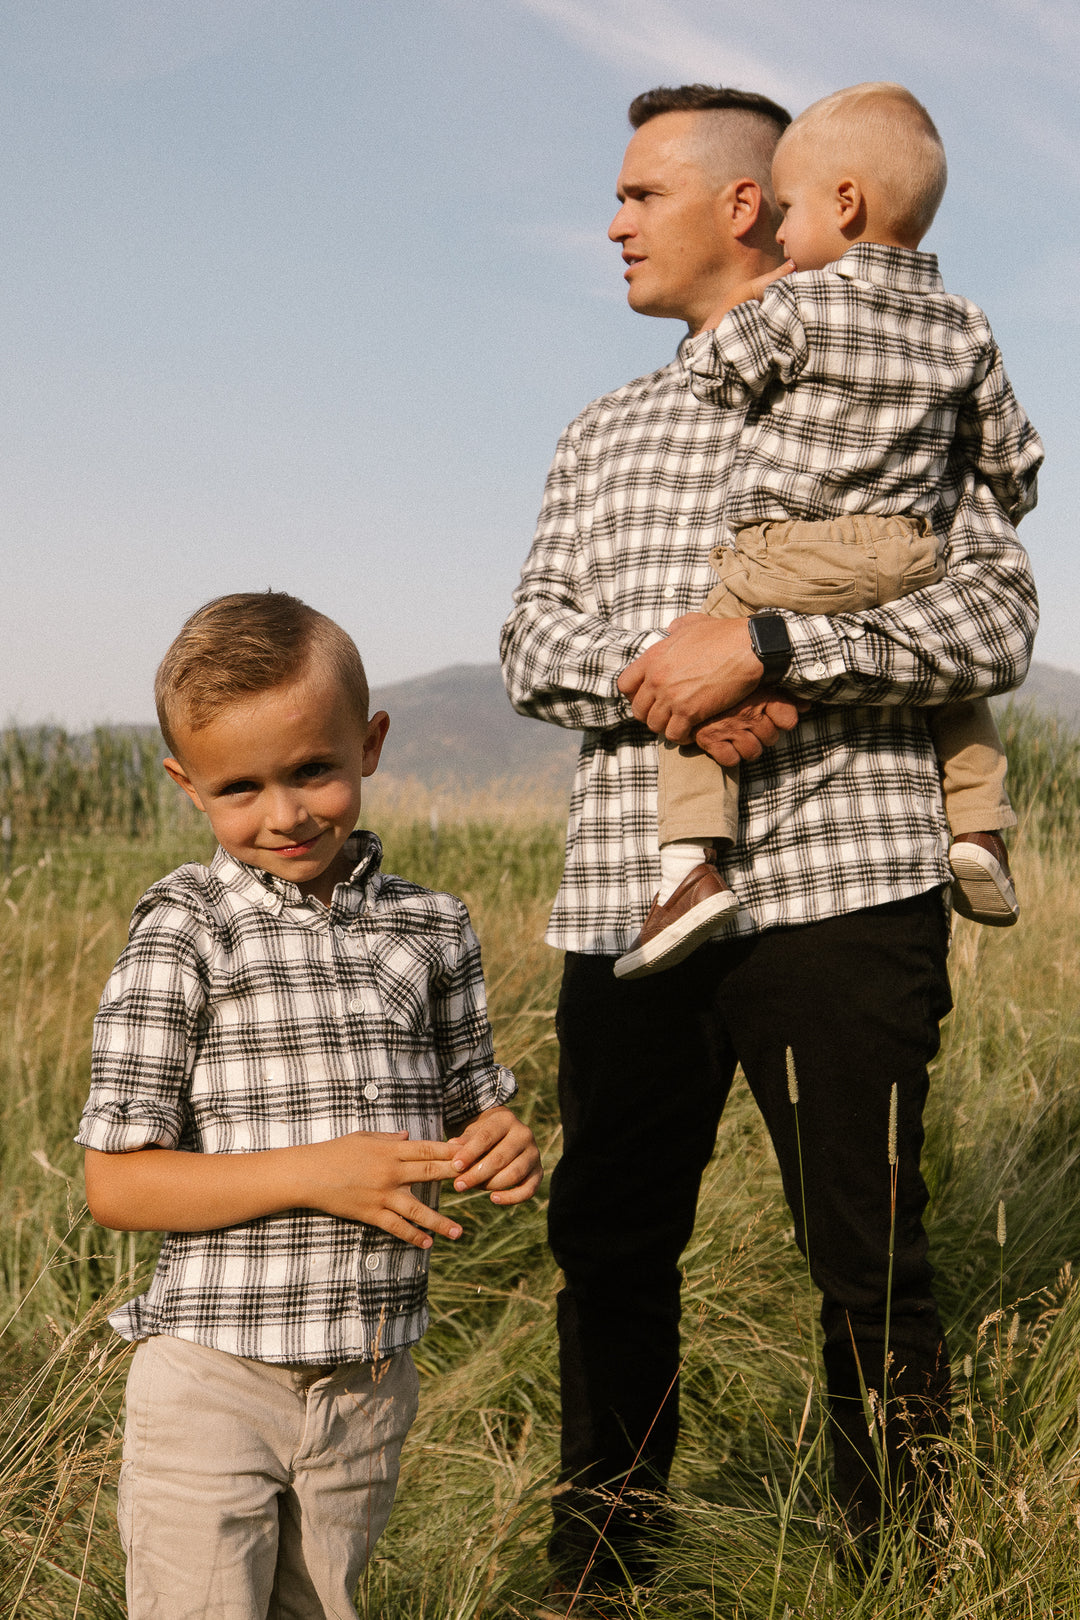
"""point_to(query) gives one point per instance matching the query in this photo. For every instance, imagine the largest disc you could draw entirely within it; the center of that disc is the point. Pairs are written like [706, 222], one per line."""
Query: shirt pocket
[404, 967]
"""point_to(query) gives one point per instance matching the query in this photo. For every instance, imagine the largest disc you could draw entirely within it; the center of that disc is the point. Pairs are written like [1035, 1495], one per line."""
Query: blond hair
[237, 646]
[889, 137]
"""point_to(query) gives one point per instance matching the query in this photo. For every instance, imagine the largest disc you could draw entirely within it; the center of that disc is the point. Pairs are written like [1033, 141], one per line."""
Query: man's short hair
[738, 132]
[882, 128]
[237, 646]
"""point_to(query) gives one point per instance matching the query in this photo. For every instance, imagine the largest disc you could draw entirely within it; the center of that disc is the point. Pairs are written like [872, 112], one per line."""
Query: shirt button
[356, 1004]
[339, 930]
[669, 592]
[682, 521]
[820, 670]
[269, 901]
[371, 1091]
[371, 1262]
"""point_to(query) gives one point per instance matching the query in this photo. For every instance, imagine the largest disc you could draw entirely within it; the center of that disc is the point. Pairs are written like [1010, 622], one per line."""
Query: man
[838, 953]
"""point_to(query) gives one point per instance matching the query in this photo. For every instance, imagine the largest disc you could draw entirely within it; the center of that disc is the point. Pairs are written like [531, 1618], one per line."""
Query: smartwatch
[772, 644]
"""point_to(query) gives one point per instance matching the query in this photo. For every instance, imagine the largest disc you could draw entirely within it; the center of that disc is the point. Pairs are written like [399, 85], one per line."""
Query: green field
[467, 1535]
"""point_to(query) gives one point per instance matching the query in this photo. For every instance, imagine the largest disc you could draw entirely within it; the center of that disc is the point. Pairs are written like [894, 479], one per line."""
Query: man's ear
[742, 206]
[174, 769]
[378, 726]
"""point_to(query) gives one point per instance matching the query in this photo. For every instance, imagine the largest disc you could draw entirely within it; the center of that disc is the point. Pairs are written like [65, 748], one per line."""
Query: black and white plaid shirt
[843, 813]
[862, 376]
[243, 1016]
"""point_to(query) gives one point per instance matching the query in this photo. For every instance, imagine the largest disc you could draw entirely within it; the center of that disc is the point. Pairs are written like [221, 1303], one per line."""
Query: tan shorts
[255, 1492]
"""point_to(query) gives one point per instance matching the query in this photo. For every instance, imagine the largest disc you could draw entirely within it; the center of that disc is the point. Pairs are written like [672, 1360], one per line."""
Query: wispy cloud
[118, 41]
[658, 35]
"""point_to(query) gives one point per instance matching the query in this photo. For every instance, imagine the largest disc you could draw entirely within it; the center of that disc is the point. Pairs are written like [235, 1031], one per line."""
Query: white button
[682, 521]
[372, 1262]
[269, 901]
[371, 1091]
[820, 670]
[669, 591]
[339, 931]
[356, 1004]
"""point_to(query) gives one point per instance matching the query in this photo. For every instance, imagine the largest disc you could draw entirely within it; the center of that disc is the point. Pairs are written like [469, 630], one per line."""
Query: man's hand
[703, 668]
[497, 1151]
[745, 731]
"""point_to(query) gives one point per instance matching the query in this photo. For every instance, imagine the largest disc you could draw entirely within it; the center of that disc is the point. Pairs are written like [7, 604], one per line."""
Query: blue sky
[299, 293]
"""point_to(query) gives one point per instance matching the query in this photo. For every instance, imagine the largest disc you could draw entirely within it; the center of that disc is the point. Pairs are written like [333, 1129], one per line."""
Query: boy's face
[810, 230]
[278, 775]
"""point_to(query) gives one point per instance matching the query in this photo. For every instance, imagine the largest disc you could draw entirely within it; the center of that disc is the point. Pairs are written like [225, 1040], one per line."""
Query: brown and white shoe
[701, 906]
[982, 883]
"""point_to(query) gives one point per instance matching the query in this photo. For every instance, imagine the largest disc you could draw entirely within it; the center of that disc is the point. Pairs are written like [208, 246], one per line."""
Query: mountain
[456, 726]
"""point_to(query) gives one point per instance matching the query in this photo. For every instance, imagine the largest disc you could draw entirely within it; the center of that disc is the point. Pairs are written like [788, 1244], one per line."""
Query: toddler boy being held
[278, 1054]
[867, 386]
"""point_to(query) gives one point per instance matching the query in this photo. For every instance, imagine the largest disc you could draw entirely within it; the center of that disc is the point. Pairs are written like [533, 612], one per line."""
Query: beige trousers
[842, 565]
[255, 1492]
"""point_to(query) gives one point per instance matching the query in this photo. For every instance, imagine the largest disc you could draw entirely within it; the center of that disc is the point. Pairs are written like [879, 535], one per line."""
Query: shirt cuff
[824, 650]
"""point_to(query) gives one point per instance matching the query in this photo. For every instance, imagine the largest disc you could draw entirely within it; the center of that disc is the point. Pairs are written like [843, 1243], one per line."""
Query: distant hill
[457, 726]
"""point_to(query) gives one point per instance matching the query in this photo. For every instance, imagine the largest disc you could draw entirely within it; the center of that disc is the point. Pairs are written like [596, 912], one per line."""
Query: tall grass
[466, 1538]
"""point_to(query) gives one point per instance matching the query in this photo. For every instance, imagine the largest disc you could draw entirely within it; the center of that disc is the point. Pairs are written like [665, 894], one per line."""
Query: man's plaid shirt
[843, 813]
[242, 1016]
[863, 376]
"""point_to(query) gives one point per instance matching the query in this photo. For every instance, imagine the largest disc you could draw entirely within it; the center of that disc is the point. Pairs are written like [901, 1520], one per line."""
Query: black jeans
[646, 1066]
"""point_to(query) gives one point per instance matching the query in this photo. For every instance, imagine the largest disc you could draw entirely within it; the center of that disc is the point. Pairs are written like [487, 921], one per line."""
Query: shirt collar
[257, 886]
[904, 269]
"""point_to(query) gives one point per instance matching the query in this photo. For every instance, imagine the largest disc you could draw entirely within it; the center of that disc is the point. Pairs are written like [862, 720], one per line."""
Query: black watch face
[770, 638]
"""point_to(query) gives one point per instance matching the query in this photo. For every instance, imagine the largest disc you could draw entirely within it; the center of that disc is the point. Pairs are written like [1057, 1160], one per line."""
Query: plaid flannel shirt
[243, 1015]
[843, 813]
[880, 372]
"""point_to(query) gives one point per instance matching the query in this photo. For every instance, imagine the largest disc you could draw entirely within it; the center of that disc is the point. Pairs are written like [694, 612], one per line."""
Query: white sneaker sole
[982, 889]
[675, 942]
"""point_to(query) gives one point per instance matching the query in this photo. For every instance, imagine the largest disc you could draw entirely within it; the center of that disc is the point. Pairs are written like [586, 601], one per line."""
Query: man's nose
[619, 229]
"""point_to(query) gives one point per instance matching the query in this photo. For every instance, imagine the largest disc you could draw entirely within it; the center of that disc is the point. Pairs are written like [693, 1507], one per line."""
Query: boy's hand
[744, 733]
[367, 1176]
[497, 1152]
[749, 290]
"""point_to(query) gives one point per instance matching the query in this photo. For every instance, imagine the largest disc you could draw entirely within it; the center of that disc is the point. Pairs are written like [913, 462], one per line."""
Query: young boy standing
[863, 378]
[278, 1054]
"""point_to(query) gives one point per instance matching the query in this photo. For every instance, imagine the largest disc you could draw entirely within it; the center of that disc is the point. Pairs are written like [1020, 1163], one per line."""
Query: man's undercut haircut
[237, 646]
[881, 129]
[736, 136]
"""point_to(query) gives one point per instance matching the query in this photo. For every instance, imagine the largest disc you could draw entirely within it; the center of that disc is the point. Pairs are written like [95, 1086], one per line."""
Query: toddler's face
[278, 775]
[809, 232]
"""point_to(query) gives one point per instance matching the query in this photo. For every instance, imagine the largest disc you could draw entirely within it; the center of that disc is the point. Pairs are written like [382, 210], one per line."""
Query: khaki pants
[255, 1492]
[842, 565]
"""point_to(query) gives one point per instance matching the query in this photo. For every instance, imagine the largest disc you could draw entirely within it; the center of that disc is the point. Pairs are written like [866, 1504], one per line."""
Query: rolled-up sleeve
[145, 1035]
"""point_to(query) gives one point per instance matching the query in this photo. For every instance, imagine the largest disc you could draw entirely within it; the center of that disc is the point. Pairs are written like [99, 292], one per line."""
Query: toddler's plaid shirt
[243, 1016]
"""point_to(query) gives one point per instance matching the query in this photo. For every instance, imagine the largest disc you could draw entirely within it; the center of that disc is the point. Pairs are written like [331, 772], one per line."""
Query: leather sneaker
[982, 884]
[701, 906]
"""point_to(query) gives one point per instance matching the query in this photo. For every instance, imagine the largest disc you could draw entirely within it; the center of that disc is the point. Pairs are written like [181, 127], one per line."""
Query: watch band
[772, 644]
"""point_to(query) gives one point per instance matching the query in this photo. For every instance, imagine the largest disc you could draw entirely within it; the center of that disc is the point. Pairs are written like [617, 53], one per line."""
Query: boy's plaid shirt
[243, 1016]
[863, 376]
[843, 813]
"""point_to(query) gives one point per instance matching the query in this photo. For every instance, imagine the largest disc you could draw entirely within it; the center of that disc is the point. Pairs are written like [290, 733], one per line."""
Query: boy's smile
[278, 776]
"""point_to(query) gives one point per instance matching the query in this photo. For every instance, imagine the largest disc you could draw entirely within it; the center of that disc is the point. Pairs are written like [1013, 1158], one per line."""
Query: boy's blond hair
[881, 129]
[237, 646]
